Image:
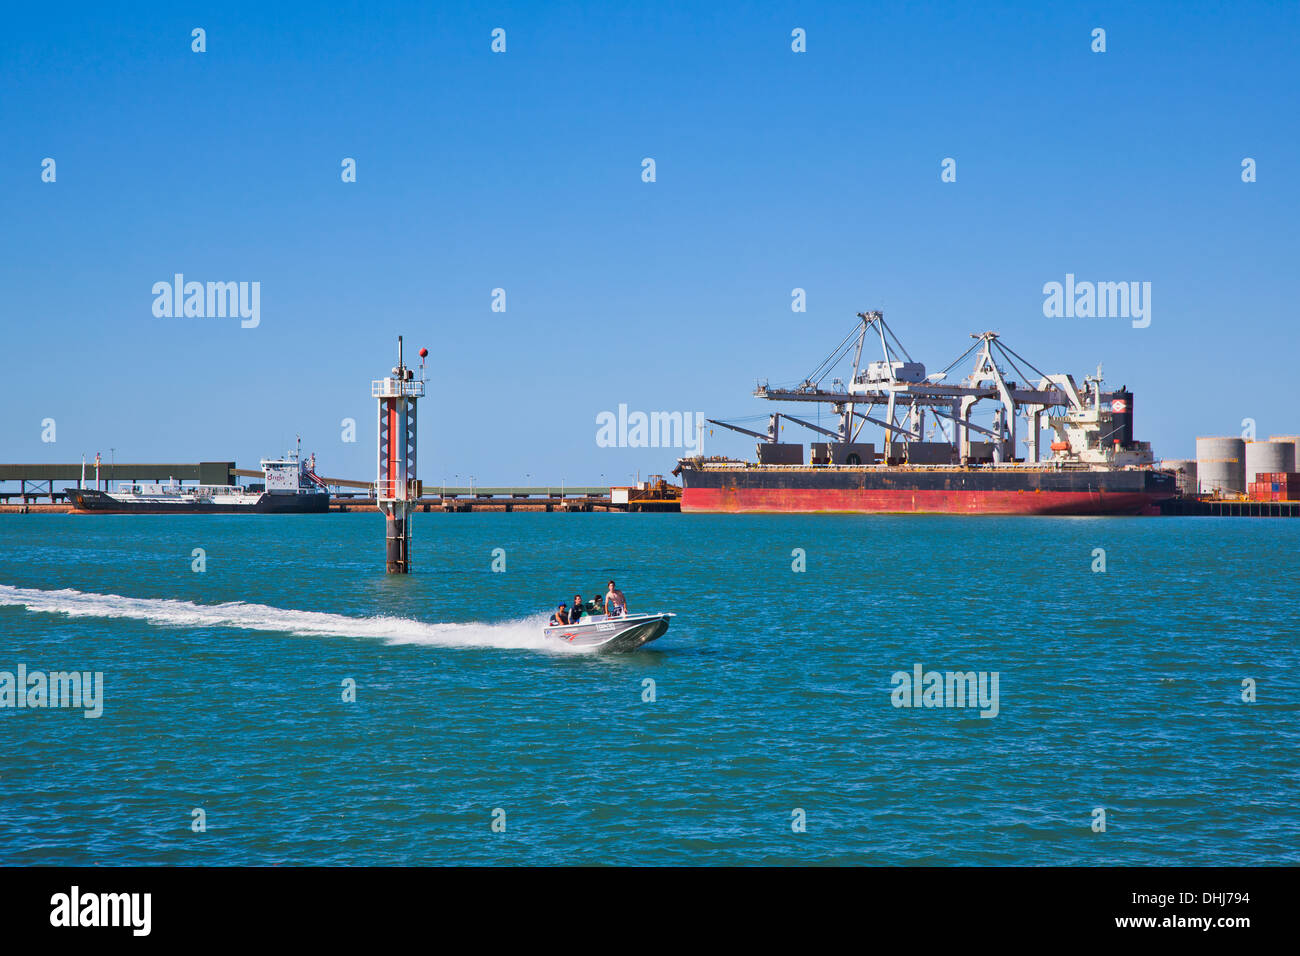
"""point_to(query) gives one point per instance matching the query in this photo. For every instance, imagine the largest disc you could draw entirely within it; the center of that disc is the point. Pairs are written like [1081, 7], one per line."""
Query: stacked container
[1275, 486]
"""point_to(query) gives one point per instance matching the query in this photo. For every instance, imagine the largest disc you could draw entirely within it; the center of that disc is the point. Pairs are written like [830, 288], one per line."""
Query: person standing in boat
[615, 602]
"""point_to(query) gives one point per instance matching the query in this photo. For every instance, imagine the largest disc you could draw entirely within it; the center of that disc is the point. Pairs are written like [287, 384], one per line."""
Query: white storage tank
[1221, 466]
[1293, 441]
[1185, 469]
[1268, 457]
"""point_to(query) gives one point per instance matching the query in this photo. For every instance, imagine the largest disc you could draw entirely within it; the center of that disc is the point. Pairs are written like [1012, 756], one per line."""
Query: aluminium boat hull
[611, 634]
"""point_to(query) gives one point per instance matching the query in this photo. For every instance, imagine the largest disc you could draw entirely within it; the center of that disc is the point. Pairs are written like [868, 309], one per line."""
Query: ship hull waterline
[84, 501]
[889, 491]
[800, 501]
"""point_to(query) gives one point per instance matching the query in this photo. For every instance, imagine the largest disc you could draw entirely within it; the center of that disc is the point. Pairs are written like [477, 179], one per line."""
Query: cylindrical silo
[1293, 441]
[1268, 457]
[1221, 466]
[1185, 469]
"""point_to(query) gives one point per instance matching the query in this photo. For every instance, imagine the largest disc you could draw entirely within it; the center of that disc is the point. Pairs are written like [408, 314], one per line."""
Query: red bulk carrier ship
[1093, 467]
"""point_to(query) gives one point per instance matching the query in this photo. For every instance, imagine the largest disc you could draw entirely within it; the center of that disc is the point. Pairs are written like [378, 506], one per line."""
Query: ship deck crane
[817, 428]
[901, 385]
[772, 428]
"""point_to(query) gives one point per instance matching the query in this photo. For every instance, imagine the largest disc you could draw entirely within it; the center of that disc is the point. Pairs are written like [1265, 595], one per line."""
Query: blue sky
[522, 171]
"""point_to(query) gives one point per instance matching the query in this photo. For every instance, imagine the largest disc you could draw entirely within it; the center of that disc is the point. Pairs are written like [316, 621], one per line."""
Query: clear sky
[522, 170]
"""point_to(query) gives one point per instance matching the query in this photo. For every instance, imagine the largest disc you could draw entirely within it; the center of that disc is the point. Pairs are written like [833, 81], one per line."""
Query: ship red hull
[914, 501]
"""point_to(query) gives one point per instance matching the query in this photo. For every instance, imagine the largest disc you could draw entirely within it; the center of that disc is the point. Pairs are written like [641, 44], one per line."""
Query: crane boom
[737, 428]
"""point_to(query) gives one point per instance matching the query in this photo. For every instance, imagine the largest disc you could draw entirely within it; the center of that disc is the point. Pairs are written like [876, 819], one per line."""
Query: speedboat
[624, 633]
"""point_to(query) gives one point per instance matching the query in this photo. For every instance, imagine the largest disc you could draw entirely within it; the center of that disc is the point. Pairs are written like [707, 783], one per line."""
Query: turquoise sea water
[1120, 690]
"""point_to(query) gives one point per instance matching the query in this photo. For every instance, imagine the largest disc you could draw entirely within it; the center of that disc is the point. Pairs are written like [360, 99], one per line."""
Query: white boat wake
[524, 634]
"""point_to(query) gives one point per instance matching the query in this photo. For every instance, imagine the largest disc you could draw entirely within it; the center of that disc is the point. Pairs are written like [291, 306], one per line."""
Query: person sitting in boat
[561, 616]
[615, 602]
[596, 606]
[575, 612]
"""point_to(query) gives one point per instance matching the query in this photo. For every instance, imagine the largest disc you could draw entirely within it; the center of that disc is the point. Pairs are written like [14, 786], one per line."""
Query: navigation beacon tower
[396, 487]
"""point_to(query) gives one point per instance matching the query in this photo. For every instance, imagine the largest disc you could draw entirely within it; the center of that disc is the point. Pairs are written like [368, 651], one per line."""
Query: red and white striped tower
[396, 487]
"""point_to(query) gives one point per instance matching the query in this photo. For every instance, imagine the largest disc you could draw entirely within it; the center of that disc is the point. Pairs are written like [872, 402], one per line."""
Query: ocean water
[772, 692]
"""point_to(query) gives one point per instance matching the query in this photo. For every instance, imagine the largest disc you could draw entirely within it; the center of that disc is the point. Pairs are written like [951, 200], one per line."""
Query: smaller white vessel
[290, 486]
[624, 633]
